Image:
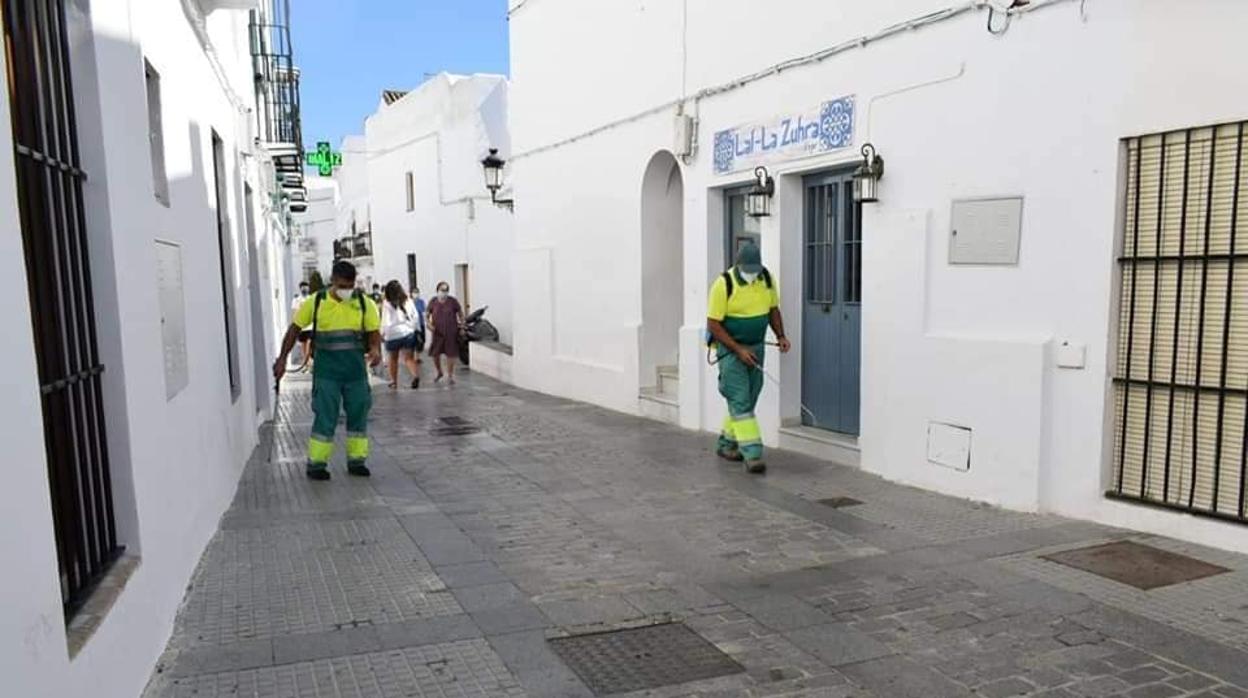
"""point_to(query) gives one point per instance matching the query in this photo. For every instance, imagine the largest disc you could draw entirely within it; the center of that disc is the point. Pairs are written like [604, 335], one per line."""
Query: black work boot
[358, 469]
[318, 472]
[755, 466]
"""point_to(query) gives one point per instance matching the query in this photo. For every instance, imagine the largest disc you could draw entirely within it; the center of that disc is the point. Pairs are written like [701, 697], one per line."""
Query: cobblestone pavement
[447, 572]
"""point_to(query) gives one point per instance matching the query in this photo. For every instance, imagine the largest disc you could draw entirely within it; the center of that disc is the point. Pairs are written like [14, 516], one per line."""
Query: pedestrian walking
[346, 338]
[377, 296]
[399, 318]
[419, 302]
[743, 302]
[445, 319]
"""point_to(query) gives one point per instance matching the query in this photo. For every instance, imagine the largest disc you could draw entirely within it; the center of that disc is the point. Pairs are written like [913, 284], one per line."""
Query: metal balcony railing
[278, 123]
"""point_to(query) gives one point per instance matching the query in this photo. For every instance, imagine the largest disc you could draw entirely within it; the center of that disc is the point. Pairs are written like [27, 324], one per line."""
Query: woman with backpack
[399, 323]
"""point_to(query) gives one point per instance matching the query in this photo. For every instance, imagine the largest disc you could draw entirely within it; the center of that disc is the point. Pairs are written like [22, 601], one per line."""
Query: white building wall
[352, 180]
[174, 462]
[439, 132]
[957, 113]
[320, 223]
[353, 212]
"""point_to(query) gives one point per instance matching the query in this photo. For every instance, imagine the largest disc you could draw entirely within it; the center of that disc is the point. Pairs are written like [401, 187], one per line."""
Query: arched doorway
[662, 271]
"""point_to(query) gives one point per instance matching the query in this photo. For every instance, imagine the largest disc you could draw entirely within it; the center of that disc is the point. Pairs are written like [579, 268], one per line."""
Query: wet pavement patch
[839, 502]
[1135, 564]
[637, 659]
[454, 426]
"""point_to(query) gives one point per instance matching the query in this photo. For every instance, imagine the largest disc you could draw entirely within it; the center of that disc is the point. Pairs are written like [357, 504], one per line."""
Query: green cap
[749, 260]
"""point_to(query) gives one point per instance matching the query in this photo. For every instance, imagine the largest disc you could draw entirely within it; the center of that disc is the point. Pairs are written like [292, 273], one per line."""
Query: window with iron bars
[1181, 376]
[49, 178]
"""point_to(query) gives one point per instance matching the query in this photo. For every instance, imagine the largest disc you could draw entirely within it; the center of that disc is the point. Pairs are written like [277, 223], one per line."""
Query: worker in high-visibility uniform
[346, 340]
[743, 302]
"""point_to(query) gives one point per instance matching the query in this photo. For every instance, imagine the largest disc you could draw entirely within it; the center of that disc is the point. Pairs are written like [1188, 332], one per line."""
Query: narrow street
[499, 521]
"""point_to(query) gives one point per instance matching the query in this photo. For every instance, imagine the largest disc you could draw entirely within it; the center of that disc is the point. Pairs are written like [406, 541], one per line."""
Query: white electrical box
[685, 126]
[1071, 354]
[172, 316]
[986, 231]
[949, 445]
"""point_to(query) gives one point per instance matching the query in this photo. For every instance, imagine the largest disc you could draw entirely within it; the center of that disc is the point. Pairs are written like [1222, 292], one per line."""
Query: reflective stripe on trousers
[740, 385]
[329, 396]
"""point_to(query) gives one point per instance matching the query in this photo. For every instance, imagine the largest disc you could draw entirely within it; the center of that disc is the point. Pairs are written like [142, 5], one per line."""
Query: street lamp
[493, 166]
[867, 176]
[758, 199]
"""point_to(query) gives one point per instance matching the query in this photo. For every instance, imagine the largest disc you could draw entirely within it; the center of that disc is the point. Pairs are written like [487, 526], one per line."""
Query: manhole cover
[455, 426]
[641, 658]
[1141, 566]
[839, 502]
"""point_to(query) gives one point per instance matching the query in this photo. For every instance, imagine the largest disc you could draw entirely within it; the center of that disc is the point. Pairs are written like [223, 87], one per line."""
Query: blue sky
[350, 50]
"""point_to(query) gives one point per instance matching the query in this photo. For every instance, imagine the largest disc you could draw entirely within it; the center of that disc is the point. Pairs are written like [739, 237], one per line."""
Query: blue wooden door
[831, 318]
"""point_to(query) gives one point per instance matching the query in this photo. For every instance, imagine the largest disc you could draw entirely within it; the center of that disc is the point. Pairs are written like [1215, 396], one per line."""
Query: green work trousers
[329, 395]
[740, 385]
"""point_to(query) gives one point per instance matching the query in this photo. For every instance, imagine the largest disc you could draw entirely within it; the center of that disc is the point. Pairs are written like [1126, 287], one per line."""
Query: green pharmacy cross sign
[323, 159]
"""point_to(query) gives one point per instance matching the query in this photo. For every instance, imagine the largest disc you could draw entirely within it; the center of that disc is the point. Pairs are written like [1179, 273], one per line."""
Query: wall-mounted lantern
[493, 166]
[758, 199]
[867, 176]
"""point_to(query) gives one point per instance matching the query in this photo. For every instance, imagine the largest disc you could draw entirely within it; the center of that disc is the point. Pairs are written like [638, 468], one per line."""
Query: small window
[156, 134]
[1182, 360]
[411, 193]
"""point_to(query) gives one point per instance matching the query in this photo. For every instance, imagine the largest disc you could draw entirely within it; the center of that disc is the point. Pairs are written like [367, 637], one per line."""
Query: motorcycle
[476, 329]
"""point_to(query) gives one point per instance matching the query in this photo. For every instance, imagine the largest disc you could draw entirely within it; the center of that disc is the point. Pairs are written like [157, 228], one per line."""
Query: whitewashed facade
[177, 438]
[353, 212]
[430, 213]
[316, 229]
[616, 225]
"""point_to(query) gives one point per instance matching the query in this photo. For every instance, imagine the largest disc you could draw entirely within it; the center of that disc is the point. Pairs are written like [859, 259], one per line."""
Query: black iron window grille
[822, 212]
[833, 244]
[851, 243]
[1181, 379]
[50, 202]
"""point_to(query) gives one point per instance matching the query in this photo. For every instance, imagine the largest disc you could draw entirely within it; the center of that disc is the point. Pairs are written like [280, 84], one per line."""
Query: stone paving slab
[1215, 607]
[449, 570]
[468, 668]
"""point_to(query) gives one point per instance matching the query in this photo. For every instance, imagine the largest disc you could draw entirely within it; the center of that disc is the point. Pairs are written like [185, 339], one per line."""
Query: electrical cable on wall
[808, 59]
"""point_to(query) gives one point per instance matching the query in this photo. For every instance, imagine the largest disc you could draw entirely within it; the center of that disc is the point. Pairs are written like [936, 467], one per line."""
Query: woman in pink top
[445, 317]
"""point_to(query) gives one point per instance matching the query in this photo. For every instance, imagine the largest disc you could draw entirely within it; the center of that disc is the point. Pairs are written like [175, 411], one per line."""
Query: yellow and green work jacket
[341, 337]
[746, 313]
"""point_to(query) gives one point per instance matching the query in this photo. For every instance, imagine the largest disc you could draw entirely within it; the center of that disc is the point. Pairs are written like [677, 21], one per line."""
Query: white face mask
[343, 293]
[749, 278]
[442, 294]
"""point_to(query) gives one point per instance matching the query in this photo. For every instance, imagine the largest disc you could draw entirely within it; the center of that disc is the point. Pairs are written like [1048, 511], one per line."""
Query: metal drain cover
[636, 659]
[1141, 566]
[839, 502]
